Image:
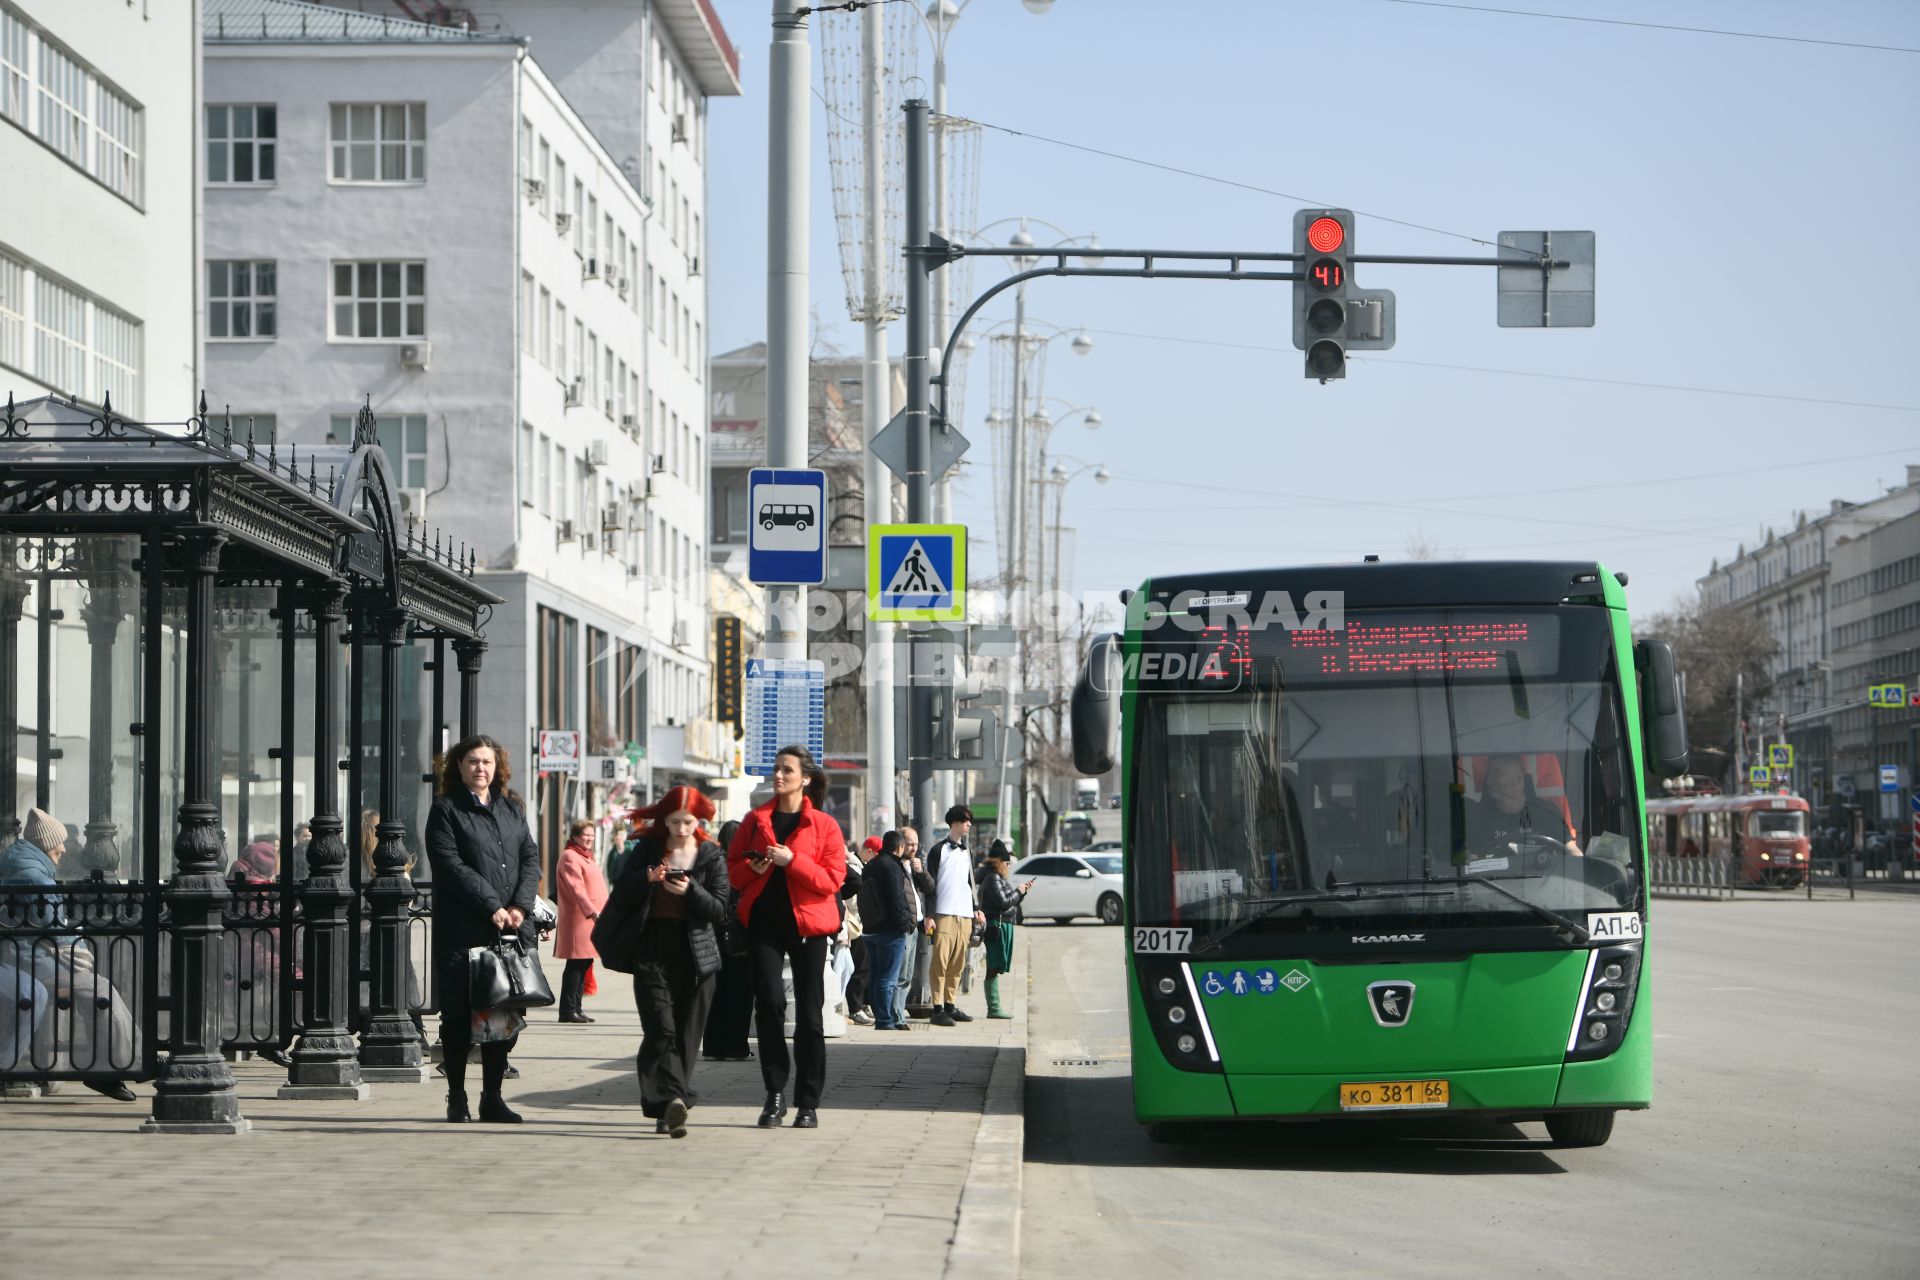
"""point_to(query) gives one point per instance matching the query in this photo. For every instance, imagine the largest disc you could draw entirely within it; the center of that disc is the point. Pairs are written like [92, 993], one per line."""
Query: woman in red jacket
[582, 896]
[788, 860]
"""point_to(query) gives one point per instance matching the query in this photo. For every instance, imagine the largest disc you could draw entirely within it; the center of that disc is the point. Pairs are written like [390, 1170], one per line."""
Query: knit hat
[44, 830]
[873, 844]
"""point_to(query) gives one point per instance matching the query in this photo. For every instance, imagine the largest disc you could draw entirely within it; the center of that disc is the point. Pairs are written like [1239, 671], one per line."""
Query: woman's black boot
[771, 1114]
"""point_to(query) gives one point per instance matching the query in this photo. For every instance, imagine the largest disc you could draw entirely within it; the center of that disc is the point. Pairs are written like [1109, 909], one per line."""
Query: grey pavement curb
[986, 1233]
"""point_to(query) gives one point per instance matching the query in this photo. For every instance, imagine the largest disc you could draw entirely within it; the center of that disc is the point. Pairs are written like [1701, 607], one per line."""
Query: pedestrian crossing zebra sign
[917, 572]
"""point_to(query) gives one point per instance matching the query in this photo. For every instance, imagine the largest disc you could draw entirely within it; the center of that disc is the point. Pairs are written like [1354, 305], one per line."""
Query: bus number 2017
[1166, 942]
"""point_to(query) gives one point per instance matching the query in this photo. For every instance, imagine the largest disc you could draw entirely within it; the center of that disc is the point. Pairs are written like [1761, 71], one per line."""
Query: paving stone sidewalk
[584, 1188]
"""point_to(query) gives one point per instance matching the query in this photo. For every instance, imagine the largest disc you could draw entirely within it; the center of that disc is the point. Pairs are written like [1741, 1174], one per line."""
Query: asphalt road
[1784, 1138]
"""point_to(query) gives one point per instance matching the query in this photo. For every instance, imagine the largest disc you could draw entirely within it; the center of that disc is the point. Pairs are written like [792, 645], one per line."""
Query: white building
[420, 216]
[97, 254]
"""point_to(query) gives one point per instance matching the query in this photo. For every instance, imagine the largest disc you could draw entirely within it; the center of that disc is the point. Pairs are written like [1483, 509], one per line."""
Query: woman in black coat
[486, 868]
[660, 924]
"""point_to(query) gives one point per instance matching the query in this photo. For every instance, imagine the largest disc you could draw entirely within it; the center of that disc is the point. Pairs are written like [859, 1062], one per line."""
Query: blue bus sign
[787, 539]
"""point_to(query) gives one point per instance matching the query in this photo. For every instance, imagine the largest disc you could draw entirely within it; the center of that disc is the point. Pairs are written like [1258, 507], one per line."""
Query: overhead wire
[1655, 26]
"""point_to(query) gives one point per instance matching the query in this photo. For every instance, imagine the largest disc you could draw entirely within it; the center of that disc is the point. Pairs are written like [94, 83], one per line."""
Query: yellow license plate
[1377, 1095]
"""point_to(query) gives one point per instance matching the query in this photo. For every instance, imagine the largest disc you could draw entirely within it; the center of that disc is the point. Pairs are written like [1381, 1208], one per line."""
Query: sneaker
[675, 1119]
[941, 1018]
[958, 1014]
[864, 1018]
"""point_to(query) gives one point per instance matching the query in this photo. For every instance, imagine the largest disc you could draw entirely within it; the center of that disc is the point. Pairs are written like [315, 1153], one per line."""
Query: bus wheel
[1109, 908]
[1580, 1128]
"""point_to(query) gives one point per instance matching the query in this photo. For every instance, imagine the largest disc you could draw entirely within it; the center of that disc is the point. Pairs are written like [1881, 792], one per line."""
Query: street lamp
[1058, 478]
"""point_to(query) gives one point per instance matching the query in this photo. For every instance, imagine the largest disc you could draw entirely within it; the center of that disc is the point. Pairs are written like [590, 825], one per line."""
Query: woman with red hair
[789, 860]
[671, 896]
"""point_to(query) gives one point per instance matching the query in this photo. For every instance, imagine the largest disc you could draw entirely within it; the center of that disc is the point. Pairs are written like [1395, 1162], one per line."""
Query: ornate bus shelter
[189, 618]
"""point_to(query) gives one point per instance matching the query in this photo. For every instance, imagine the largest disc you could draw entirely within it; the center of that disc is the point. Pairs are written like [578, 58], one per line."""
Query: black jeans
[767, 946]
[456, 1033]
[673, 1000]
[572, 983]
[862, 969]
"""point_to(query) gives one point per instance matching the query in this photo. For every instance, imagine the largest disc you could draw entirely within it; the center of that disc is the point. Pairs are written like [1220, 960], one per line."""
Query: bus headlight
[1186, 1044]
[1177, 1015]
[1606, 1002]
[1168, 985]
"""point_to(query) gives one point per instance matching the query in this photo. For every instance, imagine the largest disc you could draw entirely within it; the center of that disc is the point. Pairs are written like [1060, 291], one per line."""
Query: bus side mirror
[1663, 714]
[1096, 707]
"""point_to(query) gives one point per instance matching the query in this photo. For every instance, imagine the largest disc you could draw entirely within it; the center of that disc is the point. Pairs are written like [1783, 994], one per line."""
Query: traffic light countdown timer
[1330, 315]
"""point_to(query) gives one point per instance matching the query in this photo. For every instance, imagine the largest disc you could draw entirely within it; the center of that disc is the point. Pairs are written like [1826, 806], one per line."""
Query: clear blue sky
[1754, 202]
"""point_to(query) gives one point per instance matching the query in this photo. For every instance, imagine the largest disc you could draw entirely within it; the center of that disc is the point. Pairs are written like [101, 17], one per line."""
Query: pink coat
[582, 892]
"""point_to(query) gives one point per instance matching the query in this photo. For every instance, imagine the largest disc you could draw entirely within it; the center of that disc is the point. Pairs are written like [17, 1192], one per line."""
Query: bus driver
[1507, 813]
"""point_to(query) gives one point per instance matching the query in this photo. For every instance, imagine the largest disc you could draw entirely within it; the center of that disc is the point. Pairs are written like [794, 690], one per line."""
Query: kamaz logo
[1389, 937]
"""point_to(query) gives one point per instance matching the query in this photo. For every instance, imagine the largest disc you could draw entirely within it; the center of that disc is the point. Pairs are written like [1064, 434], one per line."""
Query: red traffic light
[1326, 234]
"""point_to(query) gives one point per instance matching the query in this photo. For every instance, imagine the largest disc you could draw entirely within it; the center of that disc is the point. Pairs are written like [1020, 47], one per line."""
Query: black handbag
[506, 975]
[616, 934]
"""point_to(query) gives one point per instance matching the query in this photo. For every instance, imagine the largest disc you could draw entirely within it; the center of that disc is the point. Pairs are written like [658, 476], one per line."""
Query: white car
[1066, 885]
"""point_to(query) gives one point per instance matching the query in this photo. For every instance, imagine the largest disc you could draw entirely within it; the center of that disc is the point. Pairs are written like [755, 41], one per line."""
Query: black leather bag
[616, 934]
[506, 975]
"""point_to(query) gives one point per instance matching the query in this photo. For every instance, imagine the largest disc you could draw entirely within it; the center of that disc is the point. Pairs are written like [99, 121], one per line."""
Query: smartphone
[676, 875]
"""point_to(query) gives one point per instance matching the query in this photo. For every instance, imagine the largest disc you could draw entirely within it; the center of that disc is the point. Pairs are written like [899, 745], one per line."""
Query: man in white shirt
[950, 866]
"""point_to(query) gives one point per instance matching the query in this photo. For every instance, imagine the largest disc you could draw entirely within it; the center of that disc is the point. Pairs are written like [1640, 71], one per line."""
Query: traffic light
[1332, 316]
[1323, 239]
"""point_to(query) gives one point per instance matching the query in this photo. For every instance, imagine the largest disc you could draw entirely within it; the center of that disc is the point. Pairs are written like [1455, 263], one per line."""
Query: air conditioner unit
[563, 531]
[561, 221]
[624, 285]
[628, 421]
[680, 127]
[535, 189]
[659, 463]
[596, 453]
[413, 504]
[590, 271]
[589, 542]
[680, 633]
[693, 264]
[574, 390]
[610, 519]
[416, 355]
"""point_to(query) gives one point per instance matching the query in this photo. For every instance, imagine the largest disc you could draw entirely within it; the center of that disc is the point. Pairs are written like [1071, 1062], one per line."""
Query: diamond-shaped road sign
[890, 446]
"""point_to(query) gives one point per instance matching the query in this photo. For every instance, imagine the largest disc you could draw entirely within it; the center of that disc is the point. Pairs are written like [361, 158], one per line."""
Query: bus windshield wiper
[1264, 907]
[1575, 930]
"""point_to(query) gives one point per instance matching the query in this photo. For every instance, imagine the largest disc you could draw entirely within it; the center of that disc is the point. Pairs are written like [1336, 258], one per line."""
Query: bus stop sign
[787, 536]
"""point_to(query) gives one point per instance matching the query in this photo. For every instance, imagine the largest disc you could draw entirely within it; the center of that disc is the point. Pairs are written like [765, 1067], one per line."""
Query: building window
[63, 104]
[540, 475]
[380, 300]
[240, 300]
[116, 147]
[546, 179]
[240, 143]
[13, 68]
[378, 141]
[560, 339]
[60, 338]
[527, 332]
[402, 437]
[117, 358]
[13, 307]
[546, 326]
[557, 477]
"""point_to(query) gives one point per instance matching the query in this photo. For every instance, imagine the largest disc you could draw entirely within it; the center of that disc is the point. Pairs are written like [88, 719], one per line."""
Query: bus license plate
[1376, 1095]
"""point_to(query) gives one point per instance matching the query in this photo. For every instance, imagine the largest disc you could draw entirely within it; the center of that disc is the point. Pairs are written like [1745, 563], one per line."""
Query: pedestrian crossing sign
[917, 572]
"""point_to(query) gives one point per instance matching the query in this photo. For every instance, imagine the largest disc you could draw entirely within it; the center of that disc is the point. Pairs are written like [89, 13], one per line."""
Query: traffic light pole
[919, 450]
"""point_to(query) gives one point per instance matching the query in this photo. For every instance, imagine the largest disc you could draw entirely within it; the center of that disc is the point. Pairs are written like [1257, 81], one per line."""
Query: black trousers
[456, 1033]
[732, 1015]
[673, 1000]
[857, 985]
[767, 946]
[572, 984]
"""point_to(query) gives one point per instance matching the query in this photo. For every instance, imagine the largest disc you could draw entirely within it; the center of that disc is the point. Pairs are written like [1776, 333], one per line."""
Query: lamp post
[1058, 478]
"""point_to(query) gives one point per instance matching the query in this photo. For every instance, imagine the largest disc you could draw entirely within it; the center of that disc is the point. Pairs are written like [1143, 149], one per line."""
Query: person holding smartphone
[1000, 903]
[789, 860]
[676, 881]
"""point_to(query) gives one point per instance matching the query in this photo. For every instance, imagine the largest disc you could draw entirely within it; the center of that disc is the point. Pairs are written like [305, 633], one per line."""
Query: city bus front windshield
[1416, 802]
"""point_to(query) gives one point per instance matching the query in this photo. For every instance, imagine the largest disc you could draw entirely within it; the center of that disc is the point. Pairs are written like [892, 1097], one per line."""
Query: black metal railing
[1692, 877]
[77, 978]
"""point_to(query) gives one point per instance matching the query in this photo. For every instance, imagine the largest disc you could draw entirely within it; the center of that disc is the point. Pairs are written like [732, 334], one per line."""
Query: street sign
[787, 541]
[559, 751]
[1780, 755]
[786, 702]
[727, 660]
[1891, 695]
[1531, 297]
[604, 769]
[1757, 775]
[634, 752]
[1889, 777]
[917, 572]
[944, 448]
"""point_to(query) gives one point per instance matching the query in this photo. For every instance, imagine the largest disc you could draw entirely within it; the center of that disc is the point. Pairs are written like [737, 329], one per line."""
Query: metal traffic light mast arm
[942, 251]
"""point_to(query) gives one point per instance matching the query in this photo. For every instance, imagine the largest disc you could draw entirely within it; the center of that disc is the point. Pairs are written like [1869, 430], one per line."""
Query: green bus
[1384, 839]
